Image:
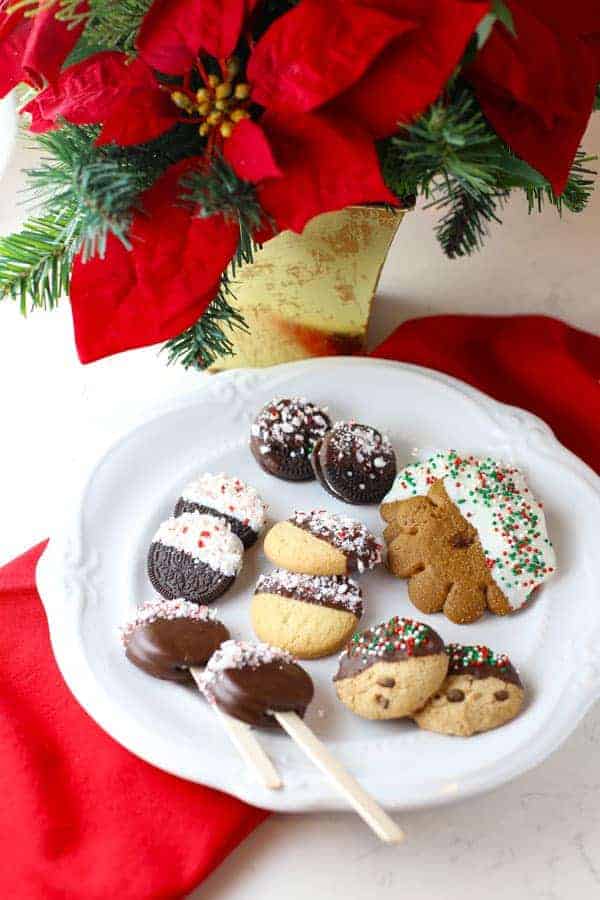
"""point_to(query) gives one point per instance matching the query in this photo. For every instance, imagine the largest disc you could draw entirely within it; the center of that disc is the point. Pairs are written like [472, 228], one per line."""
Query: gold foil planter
[311, 294]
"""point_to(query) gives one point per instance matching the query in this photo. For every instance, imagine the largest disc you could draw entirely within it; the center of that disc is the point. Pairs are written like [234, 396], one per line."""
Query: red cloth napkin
[80, 817]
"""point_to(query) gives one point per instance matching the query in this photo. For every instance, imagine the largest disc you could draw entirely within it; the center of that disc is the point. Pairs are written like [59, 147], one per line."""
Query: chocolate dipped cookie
[231, 498]
[308, 615]
[354, 463]
[283, 435]
[249, 680]
[168, 637]
[482, 691]
[391, 670]
[194, 556]
[321, 543]
[468, 534]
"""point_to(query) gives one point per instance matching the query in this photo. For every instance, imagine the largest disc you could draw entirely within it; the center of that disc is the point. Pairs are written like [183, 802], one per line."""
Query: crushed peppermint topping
[361, 547]
[293, 424]
[336, 590]
[463, 656]
[241, 655]
[205, 538]
[154, 610]
[352, 441]
[230, 496]
[495, 499]
[397, 635]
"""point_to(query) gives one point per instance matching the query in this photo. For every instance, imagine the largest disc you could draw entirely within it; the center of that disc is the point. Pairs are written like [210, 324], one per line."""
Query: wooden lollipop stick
[245, 742]
[375, 817]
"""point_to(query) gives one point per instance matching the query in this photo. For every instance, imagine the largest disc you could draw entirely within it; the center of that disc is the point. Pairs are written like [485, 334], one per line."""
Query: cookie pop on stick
[173, 640]
[258, 683]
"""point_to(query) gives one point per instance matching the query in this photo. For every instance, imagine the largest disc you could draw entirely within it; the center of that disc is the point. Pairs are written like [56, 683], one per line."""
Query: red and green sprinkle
[397, 635]
[463, 656]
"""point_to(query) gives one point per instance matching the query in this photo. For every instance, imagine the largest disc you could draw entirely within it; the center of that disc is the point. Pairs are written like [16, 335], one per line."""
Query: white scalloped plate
[93, 574]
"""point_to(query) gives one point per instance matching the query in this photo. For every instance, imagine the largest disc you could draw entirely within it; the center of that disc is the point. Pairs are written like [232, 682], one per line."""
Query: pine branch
[35, 264]
[576, 194]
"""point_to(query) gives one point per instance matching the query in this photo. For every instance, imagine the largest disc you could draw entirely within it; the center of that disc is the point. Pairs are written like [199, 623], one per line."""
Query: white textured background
[538, 838]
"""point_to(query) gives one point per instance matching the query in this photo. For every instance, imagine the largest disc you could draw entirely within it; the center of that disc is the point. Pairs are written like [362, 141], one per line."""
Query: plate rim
[89, 693]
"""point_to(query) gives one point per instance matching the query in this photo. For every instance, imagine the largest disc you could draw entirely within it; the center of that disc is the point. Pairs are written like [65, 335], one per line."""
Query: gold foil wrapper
[311, 294]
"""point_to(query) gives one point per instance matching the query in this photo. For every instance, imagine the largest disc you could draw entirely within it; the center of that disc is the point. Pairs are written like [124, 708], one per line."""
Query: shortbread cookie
[168, 637]
[354, 463]
[482, 691]
[468, 534]
[309, 615]
[283, 435]
[233, 499]
[194, 556]
[249, 680]
[321, 543]
[389, 671]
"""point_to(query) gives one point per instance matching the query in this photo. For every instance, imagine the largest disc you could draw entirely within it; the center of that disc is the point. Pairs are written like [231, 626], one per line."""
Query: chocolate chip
[383, 701]
[501, 695]
[461, 541]
[386, 682]
[455, 695]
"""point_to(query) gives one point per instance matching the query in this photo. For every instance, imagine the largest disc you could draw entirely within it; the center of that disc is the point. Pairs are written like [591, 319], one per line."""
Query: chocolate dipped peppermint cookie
[354, 463]
[168, 637]
[308, 615]
[283, 436]
[233, 499]
[391, 670]
[482, 691]
[194, 556]
[321, 543]
[249, 680]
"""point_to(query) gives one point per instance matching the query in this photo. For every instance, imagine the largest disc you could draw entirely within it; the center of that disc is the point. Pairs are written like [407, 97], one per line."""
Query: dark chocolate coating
[341, 477]
[168, 648]
[506, 673]
[354, 663]
[279, 461]
[247, 535]
[250, 692]
[174, 573]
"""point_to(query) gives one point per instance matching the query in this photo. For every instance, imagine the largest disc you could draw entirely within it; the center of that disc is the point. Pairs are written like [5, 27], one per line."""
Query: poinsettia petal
[327, 163]
[174, 31]
[34, 48]
[143, 116]
[88, 92]
[249, 153]
[412, 71]
[289, 69]
[161, 286]
[538, 103]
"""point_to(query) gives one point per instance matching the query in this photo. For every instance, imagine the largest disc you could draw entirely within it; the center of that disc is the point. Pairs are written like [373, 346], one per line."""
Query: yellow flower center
[219, 104]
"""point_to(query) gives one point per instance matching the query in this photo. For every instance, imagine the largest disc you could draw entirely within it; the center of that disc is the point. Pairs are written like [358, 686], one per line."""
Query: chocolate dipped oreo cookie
[308, 615]
[168, 637]
[249, 680]
[481, 691]
[237, 502]
[283, 436]
[391, 670]
[354, 463]
[321, 543]
[194, 556]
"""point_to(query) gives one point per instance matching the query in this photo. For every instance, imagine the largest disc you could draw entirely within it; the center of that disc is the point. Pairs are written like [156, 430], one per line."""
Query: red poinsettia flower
[33, 48]
[537, 87]
[163, 284]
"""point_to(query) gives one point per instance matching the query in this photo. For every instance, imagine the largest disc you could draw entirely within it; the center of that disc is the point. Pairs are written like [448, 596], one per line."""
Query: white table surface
[537, 838]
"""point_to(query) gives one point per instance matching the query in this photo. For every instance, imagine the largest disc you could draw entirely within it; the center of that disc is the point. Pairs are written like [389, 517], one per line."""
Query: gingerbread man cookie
[468, 534]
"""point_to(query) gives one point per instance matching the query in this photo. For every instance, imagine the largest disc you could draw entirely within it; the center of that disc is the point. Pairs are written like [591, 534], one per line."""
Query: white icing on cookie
[495, 499]
[206, 538]
[230, 496]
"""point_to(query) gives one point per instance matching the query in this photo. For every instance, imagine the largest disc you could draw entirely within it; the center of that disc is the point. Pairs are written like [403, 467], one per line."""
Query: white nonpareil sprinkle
[241, 655]
[205, 538]
[153, 610]
[228, 495]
